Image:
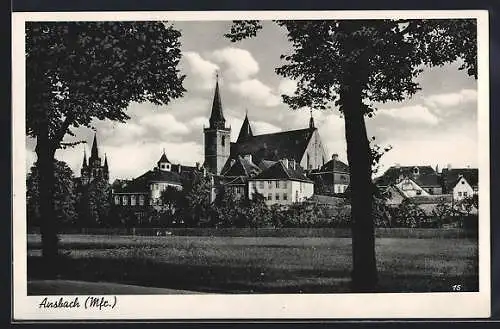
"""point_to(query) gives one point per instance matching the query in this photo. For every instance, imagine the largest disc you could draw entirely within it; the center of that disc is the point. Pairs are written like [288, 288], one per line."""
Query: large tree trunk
[364, 270]
[45, 154]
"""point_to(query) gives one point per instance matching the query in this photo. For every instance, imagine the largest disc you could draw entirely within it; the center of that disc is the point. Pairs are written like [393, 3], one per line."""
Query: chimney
[232, 161]
[285, 162]
[197, 165]
[397, 165]
[448, 166]
[179, 168]
[335, 156]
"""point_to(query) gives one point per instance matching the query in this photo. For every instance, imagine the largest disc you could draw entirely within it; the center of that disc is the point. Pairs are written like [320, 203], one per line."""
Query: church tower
[94, 169]
[217, 136]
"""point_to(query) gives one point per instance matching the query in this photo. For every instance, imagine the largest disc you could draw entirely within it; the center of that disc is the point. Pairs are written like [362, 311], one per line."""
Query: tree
[94, 203]
[198, 200]
[80, 71]
[173, 204]
[64, 195]
[353, 64]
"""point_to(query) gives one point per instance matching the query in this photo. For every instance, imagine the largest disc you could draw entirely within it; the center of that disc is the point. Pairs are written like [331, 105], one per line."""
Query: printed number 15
[456, 287]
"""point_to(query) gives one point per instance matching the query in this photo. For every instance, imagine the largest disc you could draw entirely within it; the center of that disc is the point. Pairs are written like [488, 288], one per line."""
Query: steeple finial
[311, 120]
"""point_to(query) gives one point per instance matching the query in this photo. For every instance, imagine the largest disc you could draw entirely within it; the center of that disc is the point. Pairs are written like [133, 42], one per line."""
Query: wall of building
[284, 192]
[157, 187]
[410, 188]
[462, 190]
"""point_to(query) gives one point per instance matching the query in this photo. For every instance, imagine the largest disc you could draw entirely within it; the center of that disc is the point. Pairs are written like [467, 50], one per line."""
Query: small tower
[94, 168]
[245, 131]
[311, 121]
[105, 169]
[164, 164]
[217, 136]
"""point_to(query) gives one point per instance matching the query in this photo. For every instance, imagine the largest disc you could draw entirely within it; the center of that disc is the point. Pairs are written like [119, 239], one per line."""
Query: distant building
[283, 182]
[146, 189]
[460, 182]
[332, 178]
[413, 180]
[94, 169]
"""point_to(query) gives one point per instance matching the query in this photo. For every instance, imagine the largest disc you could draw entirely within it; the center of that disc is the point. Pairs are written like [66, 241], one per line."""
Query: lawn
[259, 264]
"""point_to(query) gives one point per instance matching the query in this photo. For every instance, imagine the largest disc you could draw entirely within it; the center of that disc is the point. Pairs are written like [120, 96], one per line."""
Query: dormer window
[415, 170]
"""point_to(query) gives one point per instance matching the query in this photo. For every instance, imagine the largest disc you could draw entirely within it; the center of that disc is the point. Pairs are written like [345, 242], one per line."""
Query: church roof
[280, 171]
[335, 165]
[283, 145]
[245, 131]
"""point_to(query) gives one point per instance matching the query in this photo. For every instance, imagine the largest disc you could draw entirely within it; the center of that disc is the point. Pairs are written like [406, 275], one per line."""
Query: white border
[401, 305]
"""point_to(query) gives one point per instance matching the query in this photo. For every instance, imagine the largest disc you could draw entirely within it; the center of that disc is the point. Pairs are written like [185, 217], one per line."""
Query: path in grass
[260, 264]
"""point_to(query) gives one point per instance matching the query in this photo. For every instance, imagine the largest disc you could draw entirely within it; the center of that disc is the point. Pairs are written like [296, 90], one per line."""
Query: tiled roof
[141, 183]
[426, 176]
[450, 177]
[240, 166]
[279, 171]
[283, 145]
[335, 165]
[163, 158]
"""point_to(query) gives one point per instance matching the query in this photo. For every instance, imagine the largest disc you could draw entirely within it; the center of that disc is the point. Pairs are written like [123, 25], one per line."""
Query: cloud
[165, 123]
[413, 114]
[202, 70]
[451, 99]
[287, 86]
[261, 127]
[256, 91]
[239, 63]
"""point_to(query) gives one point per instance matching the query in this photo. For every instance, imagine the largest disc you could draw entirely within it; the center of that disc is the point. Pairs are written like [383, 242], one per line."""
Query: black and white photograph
[275, 165]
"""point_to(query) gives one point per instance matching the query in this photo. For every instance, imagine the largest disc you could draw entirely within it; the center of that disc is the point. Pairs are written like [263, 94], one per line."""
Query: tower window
[223, 140]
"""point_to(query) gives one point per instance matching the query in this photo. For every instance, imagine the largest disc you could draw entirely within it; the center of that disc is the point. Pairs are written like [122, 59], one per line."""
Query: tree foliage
[94, 203]
[64, 195]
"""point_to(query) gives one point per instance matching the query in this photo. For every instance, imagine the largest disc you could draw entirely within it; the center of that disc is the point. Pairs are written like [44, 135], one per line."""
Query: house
[146, 189]
[332, 178]
[462, 183]
[284, 182]
[413, 180]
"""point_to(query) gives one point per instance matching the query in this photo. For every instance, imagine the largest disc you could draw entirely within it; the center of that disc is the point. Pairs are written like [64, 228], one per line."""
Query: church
[275, 165]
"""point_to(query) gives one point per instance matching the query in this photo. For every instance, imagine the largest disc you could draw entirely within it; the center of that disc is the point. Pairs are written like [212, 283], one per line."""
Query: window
[284, 184]
[463, 182]
[223, 140]
[459, 193]
[296, 195]
[269, 196]
[300, 187]
[308, 161]
[285, 196]
[141, 200]
[465, 194]
[277, 196]
[270, 184]
[419, 192]
[277, 184]
[132, 200]
[124, 200]
[261, 184]
[117, 199]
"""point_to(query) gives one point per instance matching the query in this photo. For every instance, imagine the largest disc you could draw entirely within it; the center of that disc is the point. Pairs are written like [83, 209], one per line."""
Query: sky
[437, 126]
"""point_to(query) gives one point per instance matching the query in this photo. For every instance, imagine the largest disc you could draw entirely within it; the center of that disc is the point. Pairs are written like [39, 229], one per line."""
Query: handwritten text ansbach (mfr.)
[91, 302]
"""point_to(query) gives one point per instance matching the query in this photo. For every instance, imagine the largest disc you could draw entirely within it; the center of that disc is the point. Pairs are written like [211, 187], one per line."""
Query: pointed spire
[246, 129]
[105, 161]
[94, 154]
[163, 158]
[216, 117]
[84, 164]
[311, 120]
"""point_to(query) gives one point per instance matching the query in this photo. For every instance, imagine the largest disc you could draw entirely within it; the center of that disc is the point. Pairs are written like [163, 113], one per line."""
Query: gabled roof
[283, 145]
[163, 158]
[451, 177]
[279, 171]
[426, 176]
[240, 166]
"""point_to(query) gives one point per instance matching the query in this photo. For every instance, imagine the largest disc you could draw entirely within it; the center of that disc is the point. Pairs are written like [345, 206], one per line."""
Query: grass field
[260, 264]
